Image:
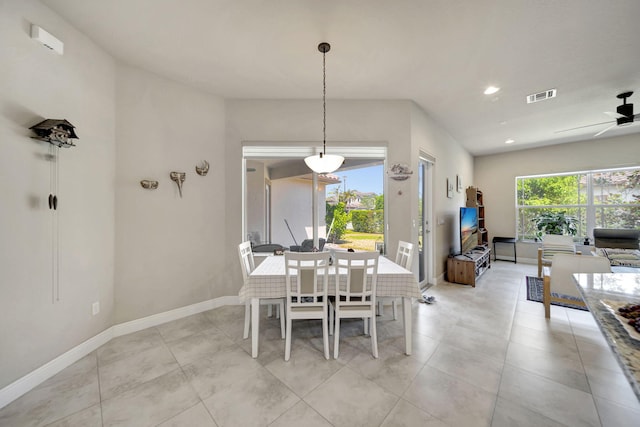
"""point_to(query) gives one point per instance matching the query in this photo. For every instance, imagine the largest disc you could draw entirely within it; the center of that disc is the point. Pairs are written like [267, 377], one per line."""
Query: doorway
[425, 212]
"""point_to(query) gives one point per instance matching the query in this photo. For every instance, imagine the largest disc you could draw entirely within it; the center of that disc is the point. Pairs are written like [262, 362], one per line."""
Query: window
[603, 198]
[292, 208]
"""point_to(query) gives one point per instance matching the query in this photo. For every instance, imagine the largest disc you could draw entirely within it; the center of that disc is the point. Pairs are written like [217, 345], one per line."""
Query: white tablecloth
[268, 280]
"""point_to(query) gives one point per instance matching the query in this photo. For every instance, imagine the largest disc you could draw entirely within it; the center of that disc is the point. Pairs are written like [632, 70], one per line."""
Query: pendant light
[323, 162]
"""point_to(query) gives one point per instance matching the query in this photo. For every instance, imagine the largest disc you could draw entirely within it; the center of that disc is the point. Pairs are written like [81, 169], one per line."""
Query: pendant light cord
[324, 104]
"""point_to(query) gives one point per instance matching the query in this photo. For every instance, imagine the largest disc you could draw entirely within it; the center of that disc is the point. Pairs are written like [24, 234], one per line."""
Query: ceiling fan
[623, 116]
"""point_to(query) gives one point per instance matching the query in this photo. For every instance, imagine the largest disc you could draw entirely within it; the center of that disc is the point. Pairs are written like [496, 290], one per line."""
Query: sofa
[616, 238]
[619, 246]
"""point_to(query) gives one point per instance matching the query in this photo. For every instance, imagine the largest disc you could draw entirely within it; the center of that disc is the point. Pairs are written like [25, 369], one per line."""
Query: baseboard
[168, 316]
[36, 377]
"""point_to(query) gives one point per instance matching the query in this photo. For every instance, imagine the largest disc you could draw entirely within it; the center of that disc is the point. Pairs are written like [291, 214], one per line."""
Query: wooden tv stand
[467, 268]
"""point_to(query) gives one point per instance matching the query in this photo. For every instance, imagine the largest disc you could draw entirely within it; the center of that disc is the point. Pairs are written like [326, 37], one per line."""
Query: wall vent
[541, 96]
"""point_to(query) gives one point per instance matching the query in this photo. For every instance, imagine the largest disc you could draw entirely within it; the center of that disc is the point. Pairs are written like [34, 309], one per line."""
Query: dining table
[267, 280]
[604, 293]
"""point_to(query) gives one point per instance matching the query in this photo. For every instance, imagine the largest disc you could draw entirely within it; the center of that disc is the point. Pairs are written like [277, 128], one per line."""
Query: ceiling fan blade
[582, 127]
[615, 115]
[605, 129]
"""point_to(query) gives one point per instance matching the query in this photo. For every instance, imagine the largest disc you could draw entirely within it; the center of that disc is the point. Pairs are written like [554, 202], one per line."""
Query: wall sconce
[178, 178]
[148, 184]
[204, 169]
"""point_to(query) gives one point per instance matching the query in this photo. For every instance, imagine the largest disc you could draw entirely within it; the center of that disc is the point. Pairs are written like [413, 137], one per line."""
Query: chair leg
[270, 310]
[546, 296]
[278, 310]
[282, 319]
[247, 320]
[325, 336]
[287, 341]
[395, 309]
[331, 310]
[380, 308]
[374, 337]
[366, 325]
[336, 338]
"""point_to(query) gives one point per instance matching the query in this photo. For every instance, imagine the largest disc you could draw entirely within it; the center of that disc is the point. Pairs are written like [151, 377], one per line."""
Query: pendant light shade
[323, 162]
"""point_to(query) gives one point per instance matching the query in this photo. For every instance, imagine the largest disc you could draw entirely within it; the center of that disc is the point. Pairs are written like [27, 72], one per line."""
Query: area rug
[535, 293]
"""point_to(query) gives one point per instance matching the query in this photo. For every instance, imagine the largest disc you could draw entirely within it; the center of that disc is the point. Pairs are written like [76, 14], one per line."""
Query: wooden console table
[467, 268]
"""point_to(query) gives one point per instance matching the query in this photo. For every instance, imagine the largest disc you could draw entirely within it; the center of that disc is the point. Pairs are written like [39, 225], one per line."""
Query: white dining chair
[404, 257]
[356, 276]
[553, 244]
[307, 282]
[248, 264]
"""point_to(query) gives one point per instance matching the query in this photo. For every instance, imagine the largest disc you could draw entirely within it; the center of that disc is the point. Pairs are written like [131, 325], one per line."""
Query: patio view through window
[355, 209]
[596, 199]
[285, 204]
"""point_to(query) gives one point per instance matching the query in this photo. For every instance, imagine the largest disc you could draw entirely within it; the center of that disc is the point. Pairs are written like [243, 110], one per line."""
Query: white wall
[450, 160]
[170, 251]
[291, 199]
[36, 84]
[142, 252]
[301, 120]
[495, 174]
[256, 201]
[361, 122]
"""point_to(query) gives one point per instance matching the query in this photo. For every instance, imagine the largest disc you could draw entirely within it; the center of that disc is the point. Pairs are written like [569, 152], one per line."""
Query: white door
[425, 209]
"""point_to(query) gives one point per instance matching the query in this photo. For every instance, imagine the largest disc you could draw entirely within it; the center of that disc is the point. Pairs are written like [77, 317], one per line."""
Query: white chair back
[246, 259]
[356, 277]
[404, 256]
[307, 283]
[565, 265]
[306, 278]
[557, 239]
[553, 244]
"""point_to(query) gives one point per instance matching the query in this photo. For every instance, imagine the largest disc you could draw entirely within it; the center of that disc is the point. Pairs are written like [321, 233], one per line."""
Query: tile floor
[482, 356]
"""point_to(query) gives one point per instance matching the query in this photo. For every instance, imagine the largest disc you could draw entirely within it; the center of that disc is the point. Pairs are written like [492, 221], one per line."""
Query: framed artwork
[449, 189]
[459, 183]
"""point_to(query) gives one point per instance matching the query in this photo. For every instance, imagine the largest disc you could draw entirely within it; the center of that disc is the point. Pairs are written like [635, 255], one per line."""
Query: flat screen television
[468, 229]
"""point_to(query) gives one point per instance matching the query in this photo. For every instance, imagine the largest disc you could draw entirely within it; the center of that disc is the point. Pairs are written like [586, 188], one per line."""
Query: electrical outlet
[95, 308]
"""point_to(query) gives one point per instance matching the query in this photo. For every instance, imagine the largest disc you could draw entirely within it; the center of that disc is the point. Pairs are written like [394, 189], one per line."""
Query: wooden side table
[511, 240]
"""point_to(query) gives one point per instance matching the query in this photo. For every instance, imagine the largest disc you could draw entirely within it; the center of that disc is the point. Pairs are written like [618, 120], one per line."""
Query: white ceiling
[439, 53]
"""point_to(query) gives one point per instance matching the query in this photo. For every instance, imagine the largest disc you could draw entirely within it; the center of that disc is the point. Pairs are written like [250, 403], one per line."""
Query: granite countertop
[616, 288]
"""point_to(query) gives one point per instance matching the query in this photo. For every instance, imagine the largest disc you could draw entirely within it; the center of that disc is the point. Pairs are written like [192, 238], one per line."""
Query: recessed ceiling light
[491, 90]
[510, 141]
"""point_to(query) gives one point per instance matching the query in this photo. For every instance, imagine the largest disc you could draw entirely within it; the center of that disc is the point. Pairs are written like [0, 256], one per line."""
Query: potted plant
[558, 222]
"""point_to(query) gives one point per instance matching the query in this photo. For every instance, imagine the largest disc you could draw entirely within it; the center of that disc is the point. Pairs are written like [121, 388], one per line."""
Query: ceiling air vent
[541, 96]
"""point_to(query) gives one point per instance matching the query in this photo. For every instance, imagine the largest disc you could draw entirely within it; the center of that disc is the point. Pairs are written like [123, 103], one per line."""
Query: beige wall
[291, 200]
[141, 252]
[35, 84]
[495, 174]
[358, 122]
[401, 125]
[256, 201]
[451, 160]
[169, 250]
